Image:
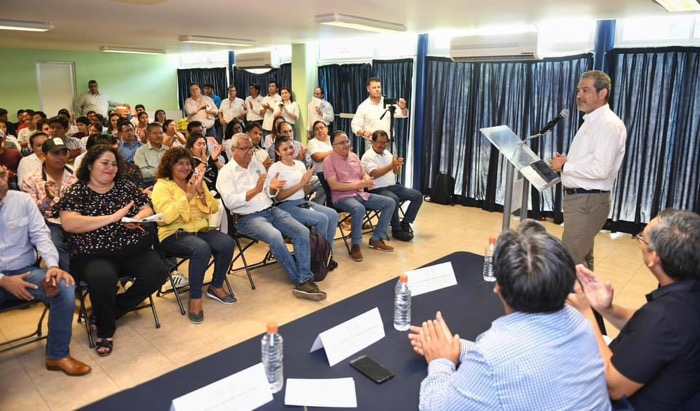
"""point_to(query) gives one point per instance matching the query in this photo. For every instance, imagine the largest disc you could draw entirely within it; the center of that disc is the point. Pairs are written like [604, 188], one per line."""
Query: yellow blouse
[171, 200]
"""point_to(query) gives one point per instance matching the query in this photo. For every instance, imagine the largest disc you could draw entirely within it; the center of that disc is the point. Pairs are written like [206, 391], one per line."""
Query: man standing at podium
[590, 169]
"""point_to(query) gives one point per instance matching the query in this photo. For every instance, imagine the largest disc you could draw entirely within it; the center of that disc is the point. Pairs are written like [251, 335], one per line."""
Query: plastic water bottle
[488, 261]
[402, 304]
[272, 356]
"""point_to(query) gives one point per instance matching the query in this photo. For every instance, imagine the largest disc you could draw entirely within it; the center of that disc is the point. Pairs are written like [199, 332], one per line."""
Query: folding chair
[37, 335]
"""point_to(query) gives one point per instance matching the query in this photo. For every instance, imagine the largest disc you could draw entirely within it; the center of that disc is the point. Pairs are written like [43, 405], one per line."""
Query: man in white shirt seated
[33, 161]
[383, 168]
[148, 156]
[242, 185]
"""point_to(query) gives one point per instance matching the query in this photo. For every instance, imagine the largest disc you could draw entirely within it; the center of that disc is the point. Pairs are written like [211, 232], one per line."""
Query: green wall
[131, 78]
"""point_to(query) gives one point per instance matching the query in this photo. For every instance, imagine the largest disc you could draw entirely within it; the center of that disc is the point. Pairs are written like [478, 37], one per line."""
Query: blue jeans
[323, 218]
[357, 206]
[62, 307]
[199, 247]
[269, 226]
[58, 238]
[399, 193]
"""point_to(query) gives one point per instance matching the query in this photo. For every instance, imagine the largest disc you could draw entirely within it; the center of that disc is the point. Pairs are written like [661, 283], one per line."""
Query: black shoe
[332, 265]
[407, 228]
[402, 235]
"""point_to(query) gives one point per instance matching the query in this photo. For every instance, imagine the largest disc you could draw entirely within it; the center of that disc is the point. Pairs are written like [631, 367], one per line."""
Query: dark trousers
[101, 274]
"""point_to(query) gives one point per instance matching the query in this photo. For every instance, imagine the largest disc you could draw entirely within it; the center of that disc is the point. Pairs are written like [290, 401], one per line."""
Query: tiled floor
[143, 352]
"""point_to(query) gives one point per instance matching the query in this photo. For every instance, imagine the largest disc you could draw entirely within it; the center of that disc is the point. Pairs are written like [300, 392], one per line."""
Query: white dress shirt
[291, 107]
[253, 105]
[27, 165]
[371, 161]
[596, 153]
[269, 117]
[235, 181]
[367, 117]
[232, 109]
[327, 114]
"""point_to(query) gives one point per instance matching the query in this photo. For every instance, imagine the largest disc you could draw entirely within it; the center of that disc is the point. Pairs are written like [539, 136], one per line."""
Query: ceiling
[89, 24]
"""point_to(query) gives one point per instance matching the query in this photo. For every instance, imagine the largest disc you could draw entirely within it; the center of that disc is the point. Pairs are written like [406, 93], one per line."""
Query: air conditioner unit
[262, 59]
[502, 47]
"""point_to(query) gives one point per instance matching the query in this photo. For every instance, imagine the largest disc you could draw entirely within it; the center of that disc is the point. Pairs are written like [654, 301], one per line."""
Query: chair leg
[174, 289]
[228, 285]
[82, 314]
[155, 313]
[243, 260]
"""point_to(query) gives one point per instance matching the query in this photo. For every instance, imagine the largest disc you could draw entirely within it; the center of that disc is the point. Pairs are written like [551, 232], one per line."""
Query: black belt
[583, 191]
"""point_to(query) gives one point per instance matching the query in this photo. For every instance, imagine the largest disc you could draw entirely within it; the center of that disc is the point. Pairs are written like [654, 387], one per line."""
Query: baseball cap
[53, 145]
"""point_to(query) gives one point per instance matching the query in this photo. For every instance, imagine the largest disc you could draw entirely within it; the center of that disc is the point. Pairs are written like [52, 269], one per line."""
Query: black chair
[240, 240]
[36, 336]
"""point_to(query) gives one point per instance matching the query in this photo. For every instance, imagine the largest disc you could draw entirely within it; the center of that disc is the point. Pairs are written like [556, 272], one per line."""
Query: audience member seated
[201, 108]
[259, 153]
[59, 126]
[28, 164]
[172, 137]
[148, 156]
[23, 234]
[102, 248]
[138, 109]
[233, 127]
[128, 143]
[186, 204]
[140, 128]
[383, 168]
[319, 148]
[3, 119]
[288, 108]
[197, 145]
[82, 124]
[292, 196]
[26, 132]
[243, 188]
[113, 124]
[541, 355]
[655, 360]
[348, 180]
[285, 129]
[159, 117]
[271, 137]
[46, 186]
[10, 158]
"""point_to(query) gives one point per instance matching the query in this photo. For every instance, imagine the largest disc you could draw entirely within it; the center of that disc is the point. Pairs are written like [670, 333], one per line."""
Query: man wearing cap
[25, 233]
[95, 101]
[46, 185]
[59, 127]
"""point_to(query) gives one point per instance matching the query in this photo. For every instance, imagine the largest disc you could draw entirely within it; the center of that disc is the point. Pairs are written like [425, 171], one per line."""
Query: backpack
[443, 189]
[320, 254]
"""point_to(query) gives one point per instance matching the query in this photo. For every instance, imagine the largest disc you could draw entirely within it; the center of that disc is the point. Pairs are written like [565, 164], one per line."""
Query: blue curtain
[345, 88]
[242, 79]
[656, 93]
[461, 98]
[397, 82]
[201, 76]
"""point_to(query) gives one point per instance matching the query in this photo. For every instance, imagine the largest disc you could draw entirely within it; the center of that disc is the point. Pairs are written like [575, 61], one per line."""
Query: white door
[56, 84]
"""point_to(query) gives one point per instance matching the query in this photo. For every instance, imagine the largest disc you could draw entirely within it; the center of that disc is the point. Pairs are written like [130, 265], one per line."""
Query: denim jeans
[357, 206]
[199, 247]
[59, 239]
[269, 226]
[399, 193]
[323, 218]
[61, 308]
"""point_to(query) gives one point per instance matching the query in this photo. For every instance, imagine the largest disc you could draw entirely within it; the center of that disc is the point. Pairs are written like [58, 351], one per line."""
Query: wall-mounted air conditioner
[262, 59]
[502, 47]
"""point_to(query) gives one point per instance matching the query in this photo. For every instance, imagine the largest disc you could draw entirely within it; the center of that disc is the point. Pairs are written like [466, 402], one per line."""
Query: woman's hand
[122, 212]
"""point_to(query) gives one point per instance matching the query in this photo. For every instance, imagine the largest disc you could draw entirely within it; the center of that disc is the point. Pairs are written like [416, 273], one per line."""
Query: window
[658, 31]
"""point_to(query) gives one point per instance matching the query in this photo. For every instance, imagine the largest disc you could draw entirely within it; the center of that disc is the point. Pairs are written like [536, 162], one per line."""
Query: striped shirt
[544, 361]
[99, 103]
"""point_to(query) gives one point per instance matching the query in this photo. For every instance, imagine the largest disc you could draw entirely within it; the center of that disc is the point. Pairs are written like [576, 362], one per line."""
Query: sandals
[106, 345]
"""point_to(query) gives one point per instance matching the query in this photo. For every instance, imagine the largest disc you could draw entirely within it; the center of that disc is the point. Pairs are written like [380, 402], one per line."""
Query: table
[469, 309]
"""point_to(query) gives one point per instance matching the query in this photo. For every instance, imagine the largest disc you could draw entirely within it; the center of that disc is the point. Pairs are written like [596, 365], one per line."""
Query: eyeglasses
[245, 149]
[640, 238]
[342, 143]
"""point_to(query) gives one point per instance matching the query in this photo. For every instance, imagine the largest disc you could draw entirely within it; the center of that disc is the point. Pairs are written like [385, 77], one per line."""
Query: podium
[520, 157]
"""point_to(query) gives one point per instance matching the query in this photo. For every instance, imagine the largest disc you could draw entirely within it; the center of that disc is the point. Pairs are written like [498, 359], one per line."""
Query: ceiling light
[25, 25]
[219, 41]
[358, 23]
[679, 5]
[128, 50]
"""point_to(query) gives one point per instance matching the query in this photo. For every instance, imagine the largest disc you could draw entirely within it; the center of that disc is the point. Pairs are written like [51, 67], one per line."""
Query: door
[56, 84]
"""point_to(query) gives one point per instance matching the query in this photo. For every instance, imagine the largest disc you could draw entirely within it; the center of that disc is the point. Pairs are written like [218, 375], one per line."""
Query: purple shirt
[345, 170]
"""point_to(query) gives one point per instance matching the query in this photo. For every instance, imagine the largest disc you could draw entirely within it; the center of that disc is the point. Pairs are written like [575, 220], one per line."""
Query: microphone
[564, 113]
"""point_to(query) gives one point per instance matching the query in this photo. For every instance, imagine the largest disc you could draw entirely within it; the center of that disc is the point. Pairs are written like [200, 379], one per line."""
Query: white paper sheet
[336, 392]
[434, 277]
[347, 338]
[151, 219]
[244, 390]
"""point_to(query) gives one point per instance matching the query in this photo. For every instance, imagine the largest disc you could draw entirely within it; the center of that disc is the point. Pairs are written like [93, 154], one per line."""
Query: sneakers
[355, 253]
[229, 299]
[308, 290]
[178, 279]
[381, 246]
[402, 235]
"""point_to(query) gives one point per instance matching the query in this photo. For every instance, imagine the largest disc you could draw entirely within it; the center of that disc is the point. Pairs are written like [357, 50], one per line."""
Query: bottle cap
[272, 327]
[492, 240]
[403, 278]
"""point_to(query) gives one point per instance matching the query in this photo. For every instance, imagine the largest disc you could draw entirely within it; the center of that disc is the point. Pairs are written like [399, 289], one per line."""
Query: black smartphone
[305, 205]
[372, 369]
